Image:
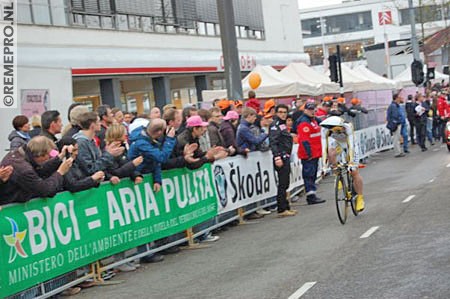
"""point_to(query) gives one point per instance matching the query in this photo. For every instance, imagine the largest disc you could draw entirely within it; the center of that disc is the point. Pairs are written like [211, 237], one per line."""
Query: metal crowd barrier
[59, 284]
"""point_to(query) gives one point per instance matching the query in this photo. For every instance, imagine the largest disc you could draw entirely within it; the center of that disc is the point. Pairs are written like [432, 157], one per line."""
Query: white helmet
[333, 121]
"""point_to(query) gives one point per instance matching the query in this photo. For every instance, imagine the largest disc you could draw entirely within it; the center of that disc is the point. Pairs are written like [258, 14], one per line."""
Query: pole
[229, 49]
[341, 81]
[414, 42]
[386, 46]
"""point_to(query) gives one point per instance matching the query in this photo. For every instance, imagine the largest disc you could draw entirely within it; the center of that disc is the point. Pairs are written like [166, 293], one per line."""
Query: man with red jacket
[309, 150]
[444, 115]
[323, 110]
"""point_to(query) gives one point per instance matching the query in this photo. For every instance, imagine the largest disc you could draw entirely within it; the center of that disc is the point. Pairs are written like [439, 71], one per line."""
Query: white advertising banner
[296, 170]
[241, 181]
[373, 139]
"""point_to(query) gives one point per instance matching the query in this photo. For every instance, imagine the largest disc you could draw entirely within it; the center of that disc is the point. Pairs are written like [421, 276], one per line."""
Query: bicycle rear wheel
[352, 193]
[340, 195]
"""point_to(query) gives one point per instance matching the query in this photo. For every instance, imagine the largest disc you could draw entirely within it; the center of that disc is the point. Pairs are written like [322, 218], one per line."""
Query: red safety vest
[308, 132]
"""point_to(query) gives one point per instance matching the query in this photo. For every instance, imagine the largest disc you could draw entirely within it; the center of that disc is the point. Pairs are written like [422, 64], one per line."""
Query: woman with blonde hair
[121, 167]
[36, 124]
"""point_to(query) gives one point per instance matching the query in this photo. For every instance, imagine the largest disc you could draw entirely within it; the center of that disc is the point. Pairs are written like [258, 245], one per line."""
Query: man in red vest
[309, 150]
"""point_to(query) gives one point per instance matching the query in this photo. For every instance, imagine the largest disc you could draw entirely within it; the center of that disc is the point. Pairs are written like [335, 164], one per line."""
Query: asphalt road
[313, 255]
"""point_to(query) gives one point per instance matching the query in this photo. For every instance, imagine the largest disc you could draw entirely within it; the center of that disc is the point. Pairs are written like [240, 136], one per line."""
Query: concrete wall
[59, 84]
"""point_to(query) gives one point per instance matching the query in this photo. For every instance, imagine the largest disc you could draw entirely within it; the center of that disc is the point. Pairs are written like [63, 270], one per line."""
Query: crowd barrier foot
[98, 280]
[242, 221]
[192, 245]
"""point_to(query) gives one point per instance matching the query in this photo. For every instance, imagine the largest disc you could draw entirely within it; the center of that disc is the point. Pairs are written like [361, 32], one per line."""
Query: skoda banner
[45, 238]
[242, 181]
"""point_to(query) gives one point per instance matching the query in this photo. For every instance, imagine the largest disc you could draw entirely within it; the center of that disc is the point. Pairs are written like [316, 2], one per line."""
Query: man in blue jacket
[244, 137]
[394, 121]
[145, 142]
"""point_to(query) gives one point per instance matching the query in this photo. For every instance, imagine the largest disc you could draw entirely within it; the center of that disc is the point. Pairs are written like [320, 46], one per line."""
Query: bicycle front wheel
[340, 194]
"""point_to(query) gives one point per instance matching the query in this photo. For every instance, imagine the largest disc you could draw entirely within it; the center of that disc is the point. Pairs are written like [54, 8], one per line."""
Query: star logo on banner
[15, 241]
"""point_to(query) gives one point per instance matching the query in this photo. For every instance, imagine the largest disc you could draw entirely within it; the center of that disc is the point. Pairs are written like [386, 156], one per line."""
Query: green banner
[45, 238]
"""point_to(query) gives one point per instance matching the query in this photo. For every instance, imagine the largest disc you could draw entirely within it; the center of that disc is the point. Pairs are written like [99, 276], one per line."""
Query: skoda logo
[221, 184]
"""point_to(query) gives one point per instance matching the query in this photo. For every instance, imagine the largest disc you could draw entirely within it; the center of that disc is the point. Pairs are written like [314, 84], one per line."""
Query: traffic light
[430, 73]
[333, 61]
[417, 74]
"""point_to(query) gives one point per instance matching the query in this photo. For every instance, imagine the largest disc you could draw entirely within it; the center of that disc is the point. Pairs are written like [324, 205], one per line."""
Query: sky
[311, 3]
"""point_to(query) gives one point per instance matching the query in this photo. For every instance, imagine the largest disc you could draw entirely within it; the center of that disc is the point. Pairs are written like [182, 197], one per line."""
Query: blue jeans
[309, 172]
[404, 133]
[430, 129]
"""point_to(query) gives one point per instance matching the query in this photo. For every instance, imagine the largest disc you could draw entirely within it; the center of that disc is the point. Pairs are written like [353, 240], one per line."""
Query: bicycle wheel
[352, 193]
[340, 193]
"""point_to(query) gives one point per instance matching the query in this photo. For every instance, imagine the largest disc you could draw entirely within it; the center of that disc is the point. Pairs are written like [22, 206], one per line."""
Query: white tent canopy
[405, 77]
[303, 73]
[355, 82]
[383, 83]
[273, 84]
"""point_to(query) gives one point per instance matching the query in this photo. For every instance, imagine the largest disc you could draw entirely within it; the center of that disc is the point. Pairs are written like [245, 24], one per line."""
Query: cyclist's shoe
[313, 200]
[360, 203]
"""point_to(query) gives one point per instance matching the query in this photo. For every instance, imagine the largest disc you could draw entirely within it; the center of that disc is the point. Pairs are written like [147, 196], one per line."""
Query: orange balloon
[254, 80]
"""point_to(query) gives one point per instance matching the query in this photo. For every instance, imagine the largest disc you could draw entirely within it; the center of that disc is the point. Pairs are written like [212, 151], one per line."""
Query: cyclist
[339, 146]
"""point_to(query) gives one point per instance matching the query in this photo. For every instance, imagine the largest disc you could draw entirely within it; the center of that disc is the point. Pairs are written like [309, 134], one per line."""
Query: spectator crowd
[110, 144]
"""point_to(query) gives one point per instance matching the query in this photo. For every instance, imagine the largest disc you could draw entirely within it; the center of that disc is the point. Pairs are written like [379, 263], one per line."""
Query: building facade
[355, 25]
[136, 54]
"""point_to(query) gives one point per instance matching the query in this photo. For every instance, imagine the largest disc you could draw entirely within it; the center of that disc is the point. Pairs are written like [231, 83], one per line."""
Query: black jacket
[49, 135]
[29, 179]
[280, 139]
[122, 168]
[410, 108]
[75, 180]
[186, 138]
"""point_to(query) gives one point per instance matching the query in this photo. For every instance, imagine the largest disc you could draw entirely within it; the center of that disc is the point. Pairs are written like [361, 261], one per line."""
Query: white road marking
[369, 232]
[408, 199]
[432, 180]
[302, 290]
[436, 149]
[448, 165]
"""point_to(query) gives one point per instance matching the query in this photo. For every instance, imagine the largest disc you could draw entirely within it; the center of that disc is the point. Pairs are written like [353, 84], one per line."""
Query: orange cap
[327, 99]
[355, 101]
[223, 104]
[341, 100]
[269, 105]
[238, 103]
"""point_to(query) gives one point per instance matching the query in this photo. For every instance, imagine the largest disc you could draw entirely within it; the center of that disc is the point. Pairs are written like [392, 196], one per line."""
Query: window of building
[167, 16]
[424, 14]
[210, 30]
[311, 27]
[348, 23]
[350, 51]
[358, 21]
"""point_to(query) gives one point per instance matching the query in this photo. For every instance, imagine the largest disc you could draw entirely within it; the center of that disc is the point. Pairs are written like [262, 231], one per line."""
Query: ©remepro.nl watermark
[8, 34]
